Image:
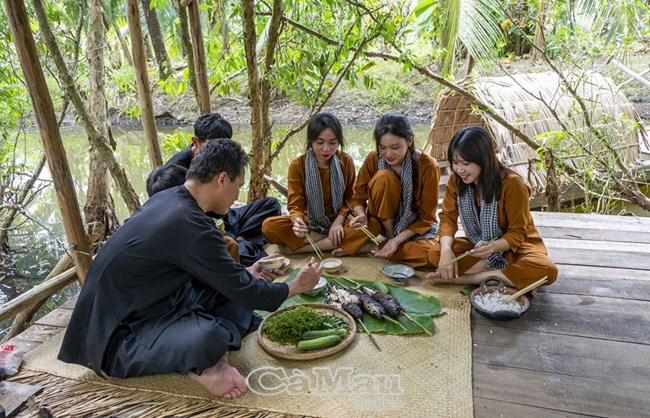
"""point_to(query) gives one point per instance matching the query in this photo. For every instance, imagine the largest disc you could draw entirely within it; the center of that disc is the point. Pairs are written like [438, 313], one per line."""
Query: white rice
[493, 302]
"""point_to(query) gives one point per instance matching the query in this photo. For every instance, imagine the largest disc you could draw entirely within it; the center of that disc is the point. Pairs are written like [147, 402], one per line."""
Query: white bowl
[271, 263]
[322, 283]
[398, 273]
[331, 265]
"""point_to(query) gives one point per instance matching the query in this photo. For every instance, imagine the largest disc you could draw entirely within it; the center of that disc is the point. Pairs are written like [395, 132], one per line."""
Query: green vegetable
[380, 286]
[321, 342]
[287, 327]
[310, 335]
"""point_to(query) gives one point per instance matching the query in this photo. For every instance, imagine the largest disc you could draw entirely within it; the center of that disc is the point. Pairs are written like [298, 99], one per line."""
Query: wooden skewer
[317, 250]
[525, 289]
[463, 255]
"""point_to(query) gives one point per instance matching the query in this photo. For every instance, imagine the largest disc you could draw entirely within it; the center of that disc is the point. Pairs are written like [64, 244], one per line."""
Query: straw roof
[528, 102]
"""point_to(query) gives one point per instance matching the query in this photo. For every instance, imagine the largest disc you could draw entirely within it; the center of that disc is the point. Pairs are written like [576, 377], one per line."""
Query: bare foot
[222, 380]
[434, 279]
[339, 252]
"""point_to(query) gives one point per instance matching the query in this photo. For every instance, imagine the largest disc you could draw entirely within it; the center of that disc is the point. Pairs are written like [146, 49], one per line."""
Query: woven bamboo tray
[291, 352]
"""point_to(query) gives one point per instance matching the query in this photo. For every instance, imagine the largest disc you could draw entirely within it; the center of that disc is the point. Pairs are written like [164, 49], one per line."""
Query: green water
[40, 248]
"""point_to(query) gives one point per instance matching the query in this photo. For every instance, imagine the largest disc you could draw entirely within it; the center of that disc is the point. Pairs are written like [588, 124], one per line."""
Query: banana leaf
[419, 307]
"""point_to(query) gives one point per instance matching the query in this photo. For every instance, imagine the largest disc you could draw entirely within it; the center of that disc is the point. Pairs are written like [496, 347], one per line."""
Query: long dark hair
[395, 124]
[319, 123]
[473, 144]
[398, 125]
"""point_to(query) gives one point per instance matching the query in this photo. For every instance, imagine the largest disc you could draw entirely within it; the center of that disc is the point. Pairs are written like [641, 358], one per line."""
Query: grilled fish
[371, 306]
[390, 303]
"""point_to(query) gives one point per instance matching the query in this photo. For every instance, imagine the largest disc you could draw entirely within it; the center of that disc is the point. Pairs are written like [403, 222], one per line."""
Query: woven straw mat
[415, 376]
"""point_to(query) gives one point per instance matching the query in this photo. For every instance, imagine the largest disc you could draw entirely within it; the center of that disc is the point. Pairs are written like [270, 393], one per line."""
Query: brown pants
[232, 247]
[384, 195]
[524, 267]
[279, 230]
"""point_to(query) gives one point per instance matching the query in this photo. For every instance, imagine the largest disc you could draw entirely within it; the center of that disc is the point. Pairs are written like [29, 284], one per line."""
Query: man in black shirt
[244, 223]
[163, 295]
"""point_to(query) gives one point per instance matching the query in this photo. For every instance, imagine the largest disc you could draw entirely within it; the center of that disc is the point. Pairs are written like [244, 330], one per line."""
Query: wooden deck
[583, 349]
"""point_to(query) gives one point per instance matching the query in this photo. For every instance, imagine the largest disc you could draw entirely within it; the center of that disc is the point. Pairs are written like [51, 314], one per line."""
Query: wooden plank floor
[582, 349]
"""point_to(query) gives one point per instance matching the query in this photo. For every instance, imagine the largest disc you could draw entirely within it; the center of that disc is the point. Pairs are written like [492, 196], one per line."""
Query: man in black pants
[244, 223]
[163, 295]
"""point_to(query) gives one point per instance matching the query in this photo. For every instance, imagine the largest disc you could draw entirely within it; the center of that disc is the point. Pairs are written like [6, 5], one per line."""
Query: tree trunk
[99, 209]
[200, 66]
[120, 37]
[257, 182]
[142, 78]
[157, 39]
[539, 32]
[96, 138]
[186, 43]
[51, 138]
[552, 191]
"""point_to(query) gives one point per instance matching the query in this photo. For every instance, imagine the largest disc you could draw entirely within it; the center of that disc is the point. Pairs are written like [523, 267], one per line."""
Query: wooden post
[48, 127]
[142, 78]
[200, 66]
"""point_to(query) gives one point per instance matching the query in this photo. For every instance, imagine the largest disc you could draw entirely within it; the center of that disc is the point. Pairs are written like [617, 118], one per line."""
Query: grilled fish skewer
[392, 305]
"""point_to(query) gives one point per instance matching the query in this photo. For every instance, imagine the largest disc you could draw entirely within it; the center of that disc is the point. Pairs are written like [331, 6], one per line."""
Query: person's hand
[269, 275]
[451, 271]
[482, 250]
[336, 233]
[388, 249]
[359, 221]
[300, 227]
[306, 279]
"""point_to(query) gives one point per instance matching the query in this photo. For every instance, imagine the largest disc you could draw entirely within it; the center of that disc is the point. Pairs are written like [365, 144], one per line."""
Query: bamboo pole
[200, 66]
[50, 136]
[632, 74]
[38, 293]
[142, 78]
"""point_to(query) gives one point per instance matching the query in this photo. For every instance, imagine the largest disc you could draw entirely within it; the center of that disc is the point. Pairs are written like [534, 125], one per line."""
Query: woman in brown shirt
[320, 187]
[492, 202]
[396, 194]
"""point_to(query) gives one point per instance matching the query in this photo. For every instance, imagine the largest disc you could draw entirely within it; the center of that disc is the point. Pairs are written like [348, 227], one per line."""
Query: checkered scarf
[318, 222]
[405, 215]
[483, 229]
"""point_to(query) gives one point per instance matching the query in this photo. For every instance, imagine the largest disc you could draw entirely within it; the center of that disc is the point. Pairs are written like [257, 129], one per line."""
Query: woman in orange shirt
[396, 193]
[493, 203]
[320, 187]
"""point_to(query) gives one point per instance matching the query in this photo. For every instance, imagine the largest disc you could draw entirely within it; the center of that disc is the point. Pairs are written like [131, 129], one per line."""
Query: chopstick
[463, 255]
[366, 231]
[524, 290]
[317, 250]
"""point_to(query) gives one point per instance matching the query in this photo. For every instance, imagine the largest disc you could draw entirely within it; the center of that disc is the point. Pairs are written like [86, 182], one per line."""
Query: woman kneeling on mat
[493, 204]
[396, 193]
[320, 185]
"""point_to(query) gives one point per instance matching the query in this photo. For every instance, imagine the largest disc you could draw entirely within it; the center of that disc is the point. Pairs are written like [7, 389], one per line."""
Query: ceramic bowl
[322, 284]
[271, 263]
[331, 265]
[398, 273]
[495, 284]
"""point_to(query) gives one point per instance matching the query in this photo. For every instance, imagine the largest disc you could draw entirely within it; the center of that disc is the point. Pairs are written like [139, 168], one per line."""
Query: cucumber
[310, 335]
[321, 342]
[380, 286]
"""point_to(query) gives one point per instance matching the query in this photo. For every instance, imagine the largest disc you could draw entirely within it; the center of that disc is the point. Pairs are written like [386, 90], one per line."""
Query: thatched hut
[529, 103]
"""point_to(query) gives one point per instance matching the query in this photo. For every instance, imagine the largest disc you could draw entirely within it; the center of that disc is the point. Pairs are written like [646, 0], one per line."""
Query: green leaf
[468, 289]
[422, 7]
[419, 307]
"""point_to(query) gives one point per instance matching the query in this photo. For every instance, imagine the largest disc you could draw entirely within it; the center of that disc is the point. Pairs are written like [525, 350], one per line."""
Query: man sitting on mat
[244, 223]
[163, 295]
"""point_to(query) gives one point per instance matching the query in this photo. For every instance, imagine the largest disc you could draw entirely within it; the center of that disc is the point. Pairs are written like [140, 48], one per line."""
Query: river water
[40, 241]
